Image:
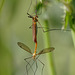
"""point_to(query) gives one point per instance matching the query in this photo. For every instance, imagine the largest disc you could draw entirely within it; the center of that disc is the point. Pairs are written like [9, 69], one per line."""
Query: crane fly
[34, 55]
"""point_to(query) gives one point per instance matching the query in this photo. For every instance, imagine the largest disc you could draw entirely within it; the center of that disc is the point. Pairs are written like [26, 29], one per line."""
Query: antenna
[29, 6]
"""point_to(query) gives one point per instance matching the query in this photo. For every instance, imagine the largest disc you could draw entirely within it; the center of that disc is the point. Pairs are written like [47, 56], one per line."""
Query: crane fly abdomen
[34, 28]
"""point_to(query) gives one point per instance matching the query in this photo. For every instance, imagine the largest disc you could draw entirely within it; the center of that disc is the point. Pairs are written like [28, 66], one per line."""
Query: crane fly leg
[42, 67]
[30, 27]
[52, 29]
[36, 68]
[41, 26]
[28, 64]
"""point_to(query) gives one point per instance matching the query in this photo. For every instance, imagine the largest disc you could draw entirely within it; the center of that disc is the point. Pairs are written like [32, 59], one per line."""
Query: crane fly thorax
[35, 19]
[34, 56]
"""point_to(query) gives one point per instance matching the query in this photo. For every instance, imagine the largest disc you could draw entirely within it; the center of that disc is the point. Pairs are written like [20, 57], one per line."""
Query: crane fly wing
[23, 46]
[46, 50]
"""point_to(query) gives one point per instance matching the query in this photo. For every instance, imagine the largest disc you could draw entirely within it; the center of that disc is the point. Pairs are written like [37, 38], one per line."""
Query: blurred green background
[14, 27]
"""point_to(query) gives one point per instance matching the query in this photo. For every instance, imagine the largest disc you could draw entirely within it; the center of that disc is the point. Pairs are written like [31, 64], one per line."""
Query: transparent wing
[46, 50]
[23, 46]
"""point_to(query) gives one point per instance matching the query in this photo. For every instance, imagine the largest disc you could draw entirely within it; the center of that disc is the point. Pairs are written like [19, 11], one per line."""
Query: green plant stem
[72, 27]
[49, 55]
[73, 36]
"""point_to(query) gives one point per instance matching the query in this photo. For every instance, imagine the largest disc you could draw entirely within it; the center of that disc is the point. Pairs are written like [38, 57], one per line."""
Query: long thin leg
[31, 66]
[30, 27]
[36, 68]
[57, 29]
[53, 29]
[26, 69]
[38, 27]
[28, 64]
[42, 67]
[41, 26]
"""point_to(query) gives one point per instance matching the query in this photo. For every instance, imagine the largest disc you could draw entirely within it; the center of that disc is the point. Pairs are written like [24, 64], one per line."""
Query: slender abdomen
[34, 28]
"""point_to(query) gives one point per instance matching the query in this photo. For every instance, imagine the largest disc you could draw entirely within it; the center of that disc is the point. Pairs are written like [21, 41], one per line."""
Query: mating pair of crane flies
[34, 31]
[26, 48]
